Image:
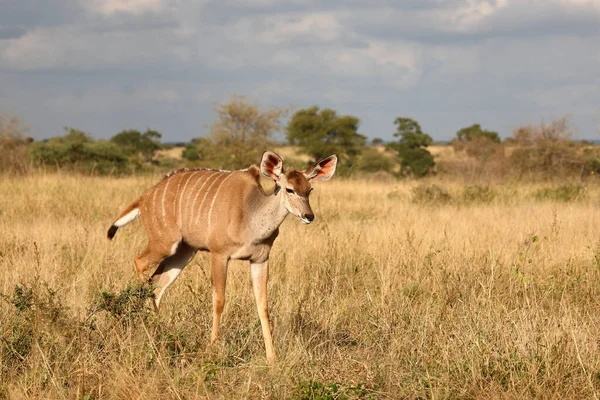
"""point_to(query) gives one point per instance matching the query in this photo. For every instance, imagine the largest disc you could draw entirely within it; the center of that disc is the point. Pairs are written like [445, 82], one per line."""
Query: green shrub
[131, 302]
[37, 312]
[76, 151]
[372, 160]
[313, 390]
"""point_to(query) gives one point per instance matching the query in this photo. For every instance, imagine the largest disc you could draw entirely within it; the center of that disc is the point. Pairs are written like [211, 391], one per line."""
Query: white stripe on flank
[215, 198]
[127, 218]
[181, 197]
[163, 199]
[154, 211]
[198, 193]
[178, 186]
[204, 198]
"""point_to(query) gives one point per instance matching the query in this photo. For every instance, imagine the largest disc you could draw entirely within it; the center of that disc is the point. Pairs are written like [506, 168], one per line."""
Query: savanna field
[398, 289]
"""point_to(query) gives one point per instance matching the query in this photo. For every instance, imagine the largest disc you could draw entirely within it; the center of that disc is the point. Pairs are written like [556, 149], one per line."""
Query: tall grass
[493, 293]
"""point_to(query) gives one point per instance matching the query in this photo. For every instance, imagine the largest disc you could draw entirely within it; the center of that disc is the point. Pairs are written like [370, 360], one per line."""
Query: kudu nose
[310, 217]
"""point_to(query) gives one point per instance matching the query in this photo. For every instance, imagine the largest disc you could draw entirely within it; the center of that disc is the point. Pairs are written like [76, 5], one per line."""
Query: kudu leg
[218, 276]
[148, 258]
[169, 269]
[260, 276]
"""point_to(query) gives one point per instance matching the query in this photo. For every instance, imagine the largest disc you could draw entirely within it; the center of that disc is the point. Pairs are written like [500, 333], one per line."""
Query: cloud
[451, 62]
[320, 27]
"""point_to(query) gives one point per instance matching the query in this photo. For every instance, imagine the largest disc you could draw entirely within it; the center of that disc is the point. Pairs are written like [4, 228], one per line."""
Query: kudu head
[293, 187]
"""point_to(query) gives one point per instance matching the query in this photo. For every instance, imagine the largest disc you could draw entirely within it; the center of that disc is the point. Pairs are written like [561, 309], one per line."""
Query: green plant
[131, 302]
[314, 390]
[320, 133]
[415, 159]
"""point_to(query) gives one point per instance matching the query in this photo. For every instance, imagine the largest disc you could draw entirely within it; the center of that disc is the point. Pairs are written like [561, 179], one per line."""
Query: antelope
[229, 215]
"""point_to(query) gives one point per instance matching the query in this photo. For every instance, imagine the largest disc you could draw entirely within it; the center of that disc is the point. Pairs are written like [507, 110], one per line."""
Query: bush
[415, 159]
[478, 194]
[79, 152]
[131, 302]
[13, 145]
[38, 313]
[317, 390]
[564, 193]
[430, 195]
[372, 160]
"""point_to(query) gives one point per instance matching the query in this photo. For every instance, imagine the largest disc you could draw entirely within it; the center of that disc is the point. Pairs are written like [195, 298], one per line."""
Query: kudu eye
[289, 190]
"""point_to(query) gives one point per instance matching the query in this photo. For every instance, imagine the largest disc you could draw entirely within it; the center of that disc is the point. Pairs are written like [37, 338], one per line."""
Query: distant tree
[190, 153]
[73, 137]
[372, 160]
[377, 142]
[415, 159]
[477, 142]
[320, 133]
[474, 132]
[76, 150]
[129, 140]
[239, 135]
[133, 142]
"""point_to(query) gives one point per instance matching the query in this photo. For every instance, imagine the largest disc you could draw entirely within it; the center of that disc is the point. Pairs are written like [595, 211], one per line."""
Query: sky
[103, 66]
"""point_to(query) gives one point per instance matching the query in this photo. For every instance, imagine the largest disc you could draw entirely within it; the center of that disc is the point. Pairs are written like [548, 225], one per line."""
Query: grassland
[404, 290]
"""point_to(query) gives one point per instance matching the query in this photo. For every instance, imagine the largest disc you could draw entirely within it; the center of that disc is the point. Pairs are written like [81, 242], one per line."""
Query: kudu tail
[130, 213]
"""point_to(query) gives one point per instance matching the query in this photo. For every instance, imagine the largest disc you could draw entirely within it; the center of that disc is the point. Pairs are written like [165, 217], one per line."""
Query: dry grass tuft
[492, 293]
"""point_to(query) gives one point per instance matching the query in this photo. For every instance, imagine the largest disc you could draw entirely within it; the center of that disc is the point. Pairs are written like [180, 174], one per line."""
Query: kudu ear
[321, 171]
[271, 165]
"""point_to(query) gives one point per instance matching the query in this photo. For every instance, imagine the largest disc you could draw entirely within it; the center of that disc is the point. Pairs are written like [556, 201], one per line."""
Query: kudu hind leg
[144, 261]
[151, 256]
[169, 269]
[218, 277]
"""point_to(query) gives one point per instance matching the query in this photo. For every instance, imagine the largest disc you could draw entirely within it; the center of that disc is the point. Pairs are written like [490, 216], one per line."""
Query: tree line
[243, 129]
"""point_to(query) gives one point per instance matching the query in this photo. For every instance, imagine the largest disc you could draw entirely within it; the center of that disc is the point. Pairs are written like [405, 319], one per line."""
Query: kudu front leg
[218, 277]
[260, 276]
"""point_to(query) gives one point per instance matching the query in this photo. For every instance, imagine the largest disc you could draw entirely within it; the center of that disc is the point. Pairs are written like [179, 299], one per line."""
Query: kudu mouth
[307, 218]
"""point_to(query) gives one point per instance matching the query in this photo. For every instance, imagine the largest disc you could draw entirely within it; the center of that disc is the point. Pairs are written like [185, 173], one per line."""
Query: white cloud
[471, 57]
[320, 26]
[472, 14]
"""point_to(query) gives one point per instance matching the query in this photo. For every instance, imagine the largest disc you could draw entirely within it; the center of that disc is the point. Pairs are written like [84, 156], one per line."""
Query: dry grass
[386, 295]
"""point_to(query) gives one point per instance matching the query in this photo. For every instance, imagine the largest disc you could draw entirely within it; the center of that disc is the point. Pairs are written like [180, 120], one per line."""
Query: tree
[372, 160]
[474, 132]
[478, 143]
[133, 142]
[320, 133]
[377, 142]
[77, 150]
[415, 159]
[239, 135]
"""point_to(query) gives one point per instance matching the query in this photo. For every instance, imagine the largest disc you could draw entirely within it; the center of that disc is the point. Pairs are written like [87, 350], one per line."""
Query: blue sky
[107, 65]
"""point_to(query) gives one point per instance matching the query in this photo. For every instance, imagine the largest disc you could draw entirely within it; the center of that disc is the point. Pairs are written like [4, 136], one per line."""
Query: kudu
[226, 213]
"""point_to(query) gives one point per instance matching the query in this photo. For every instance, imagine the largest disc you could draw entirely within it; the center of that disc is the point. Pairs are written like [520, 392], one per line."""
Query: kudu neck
[269, 214]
